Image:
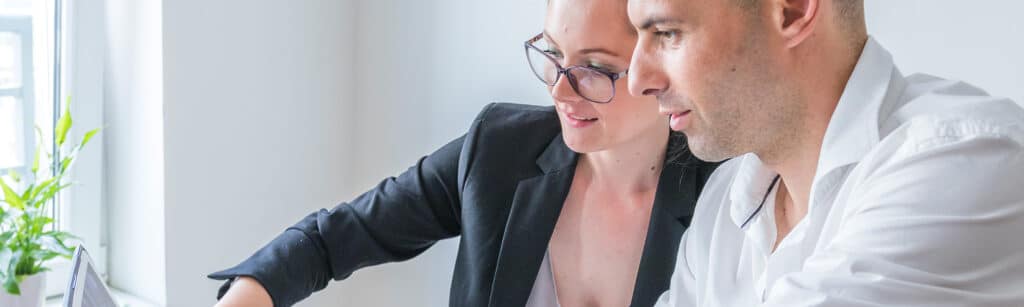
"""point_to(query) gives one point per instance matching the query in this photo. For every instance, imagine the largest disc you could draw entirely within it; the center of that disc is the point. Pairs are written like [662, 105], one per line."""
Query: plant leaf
[38, 224]
[53, 191]
[65, 163]
[25, 265]
[88, 136]
[39, 147]
[28, 192]
[51, 249]
[54, 240]
[5, 256]
[10, 271]
[14, 175]
[11, 284]
[11, 197]
[43, 186]
[64, 123]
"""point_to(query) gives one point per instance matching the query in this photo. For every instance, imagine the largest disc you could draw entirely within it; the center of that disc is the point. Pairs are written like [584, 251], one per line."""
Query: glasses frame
[567, 71]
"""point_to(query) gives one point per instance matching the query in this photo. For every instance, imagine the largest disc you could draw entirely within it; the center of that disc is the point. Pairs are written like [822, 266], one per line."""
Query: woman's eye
[600, 67]
[553, 53]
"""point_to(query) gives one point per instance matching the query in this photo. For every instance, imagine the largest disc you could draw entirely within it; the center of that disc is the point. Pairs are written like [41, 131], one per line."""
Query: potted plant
[27, 236]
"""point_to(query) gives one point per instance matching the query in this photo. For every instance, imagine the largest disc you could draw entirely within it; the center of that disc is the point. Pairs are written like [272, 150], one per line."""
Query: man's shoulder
[931, 110]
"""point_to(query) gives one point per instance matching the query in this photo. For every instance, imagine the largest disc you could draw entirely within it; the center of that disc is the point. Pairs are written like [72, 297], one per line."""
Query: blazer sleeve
[397, 220]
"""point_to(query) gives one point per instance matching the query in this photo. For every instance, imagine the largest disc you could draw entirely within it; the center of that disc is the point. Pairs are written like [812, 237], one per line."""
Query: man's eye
[668, 36]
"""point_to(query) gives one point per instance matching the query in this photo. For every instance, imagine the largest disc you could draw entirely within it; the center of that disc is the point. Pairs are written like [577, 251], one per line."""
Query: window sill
[123, 299]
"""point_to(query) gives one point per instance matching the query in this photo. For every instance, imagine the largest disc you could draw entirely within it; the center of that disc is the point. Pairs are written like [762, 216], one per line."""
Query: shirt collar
[748, 188]
[852, 131]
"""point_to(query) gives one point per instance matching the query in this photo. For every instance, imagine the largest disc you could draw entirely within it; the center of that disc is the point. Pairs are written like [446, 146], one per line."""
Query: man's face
[712, 65]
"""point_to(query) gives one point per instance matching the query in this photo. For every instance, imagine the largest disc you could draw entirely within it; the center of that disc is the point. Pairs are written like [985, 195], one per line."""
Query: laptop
[85, 287]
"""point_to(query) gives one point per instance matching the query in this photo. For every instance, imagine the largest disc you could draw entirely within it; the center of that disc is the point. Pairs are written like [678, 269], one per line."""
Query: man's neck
[796, 161]
[797, 168]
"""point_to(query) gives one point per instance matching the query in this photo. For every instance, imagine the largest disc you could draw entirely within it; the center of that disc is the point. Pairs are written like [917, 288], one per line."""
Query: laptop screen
[85, 288]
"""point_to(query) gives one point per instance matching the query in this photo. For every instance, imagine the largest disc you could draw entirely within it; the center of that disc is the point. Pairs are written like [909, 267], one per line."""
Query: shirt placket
[790, 255]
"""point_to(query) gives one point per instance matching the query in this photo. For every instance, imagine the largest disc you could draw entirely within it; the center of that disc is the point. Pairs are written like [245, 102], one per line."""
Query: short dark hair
[849, 11]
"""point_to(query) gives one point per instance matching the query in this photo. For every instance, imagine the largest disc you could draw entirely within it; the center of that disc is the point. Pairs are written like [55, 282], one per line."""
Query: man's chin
[707, 152]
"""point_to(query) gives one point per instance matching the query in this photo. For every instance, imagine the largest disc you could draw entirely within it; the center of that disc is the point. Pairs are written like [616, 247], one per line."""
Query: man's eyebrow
[656, 20]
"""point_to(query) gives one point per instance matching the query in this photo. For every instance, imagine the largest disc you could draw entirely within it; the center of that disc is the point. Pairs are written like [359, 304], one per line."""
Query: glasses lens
[543, 67]
[593, 84]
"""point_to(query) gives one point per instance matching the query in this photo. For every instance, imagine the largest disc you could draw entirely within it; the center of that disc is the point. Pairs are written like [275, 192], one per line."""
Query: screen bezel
[81, 263]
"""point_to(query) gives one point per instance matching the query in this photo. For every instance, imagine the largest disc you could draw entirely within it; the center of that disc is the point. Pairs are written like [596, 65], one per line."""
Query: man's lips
[673, 111]
[679, 121]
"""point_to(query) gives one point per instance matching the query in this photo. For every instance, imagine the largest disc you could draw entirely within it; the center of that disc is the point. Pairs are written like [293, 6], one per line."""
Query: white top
[918, 200]
[544, 293]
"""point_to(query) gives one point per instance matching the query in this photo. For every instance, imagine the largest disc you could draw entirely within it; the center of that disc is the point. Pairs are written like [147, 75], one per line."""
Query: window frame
[78, 74]
[21, 25]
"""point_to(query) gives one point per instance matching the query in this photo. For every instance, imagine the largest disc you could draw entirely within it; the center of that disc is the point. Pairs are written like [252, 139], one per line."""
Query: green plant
[27, 238]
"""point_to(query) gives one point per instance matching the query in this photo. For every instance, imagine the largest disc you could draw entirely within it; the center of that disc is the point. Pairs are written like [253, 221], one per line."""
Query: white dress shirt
[918, 200]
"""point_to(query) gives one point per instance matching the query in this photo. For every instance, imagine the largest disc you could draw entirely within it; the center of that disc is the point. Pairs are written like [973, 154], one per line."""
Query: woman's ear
[795, 19]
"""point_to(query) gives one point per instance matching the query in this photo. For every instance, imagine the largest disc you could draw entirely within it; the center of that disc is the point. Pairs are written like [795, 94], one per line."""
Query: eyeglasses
[592, 84]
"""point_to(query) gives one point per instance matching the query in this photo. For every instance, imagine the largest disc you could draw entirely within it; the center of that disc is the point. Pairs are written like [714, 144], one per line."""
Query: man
[850, 184]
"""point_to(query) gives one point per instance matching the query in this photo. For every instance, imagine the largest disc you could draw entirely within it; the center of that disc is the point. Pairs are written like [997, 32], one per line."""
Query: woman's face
[597, 34]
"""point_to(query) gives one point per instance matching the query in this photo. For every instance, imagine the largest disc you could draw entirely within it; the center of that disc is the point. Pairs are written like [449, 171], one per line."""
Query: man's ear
[795, 19]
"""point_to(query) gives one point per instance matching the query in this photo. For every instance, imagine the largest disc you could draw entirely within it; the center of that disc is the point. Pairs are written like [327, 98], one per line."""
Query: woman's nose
[563, 91]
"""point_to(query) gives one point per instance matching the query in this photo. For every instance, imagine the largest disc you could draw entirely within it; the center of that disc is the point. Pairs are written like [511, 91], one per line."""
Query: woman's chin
[580, 142]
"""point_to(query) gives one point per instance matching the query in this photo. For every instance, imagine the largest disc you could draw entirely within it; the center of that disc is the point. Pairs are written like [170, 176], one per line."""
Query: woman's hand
[246, 291]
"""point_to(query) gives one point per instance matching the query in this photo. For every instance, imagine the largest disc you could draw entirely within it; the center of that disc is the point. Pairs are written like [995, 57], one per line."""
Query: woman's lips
[579, 121]
[680, 121]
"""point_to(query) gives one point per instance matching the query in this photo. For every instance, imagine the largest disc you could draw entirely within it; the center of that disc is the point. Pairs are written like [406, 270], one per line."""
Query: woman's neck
[629, 167]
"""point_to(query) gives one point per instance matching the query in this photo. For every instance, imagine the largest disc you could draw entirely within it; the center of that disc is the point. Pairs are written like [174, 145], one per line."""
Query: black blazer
[501, 187]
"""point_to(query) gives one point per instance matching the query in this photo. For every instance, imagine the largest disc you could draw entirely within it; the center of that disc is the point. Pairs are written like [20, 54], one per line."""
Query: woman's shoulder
[504, 115]
[510, 136]
[515, 124]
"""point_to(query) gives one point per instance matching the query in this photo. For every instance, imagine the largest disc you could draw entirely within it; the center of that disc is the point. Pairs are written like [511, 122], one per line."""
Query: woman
[582, 204]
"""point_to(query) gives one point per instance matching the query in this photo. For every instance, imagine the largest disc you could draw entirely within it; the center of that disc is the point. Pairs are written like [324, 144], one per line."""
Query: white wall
[424, 69]
[981, 42]
[256, 112]
[133, 116]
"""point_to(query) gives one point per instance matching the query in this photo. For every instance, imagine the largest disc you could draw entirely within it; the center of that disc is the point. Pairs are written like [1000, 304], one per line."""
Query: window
[17, 90]
[41, 42]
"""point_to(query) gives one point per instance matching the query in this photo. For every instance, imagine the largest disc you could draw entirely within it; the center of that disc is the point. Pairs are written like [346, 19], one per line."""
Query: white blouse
[544, 293]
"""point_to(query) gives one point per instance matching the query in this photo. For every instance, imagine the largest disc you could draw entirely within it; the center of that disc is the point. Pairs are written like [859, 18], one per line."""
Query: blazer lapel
[535, 209]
